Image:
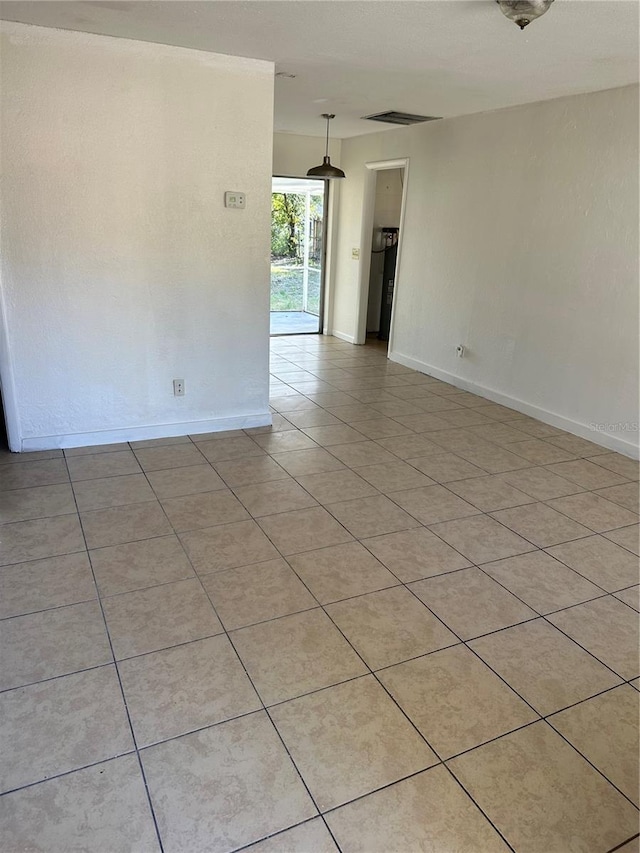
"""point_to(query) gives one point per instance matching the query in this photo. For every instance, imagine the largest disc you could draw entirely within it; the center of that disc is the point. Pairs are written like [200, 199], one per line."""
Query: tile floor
[402, 619]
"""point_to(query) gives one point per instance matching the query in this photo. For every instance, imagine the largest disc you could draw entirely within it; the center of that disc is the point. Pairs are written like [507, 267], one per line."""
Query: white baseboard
[344, 337]
[604, 439]
[114, 436]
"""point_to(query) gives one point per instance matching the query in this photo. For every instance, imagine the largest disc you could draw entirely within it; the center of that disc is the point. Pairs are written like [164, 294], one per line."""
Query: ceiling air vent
[395, 117]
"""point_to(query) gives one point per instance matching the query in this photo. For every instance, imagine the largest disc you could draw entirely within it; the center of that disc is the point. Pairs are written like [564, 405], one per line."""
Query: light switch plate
[235, 199]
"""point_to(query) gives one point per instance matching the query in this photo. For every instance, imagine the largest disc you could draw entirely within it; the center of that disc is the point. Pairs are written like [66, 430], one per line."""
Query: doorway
[383, 213]
[298, 226]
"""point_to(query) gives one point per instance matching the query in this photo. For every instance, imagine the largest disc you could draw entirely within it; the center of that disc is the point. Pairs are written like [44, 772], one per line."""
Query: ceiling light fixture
[326, 170]
[522, 12]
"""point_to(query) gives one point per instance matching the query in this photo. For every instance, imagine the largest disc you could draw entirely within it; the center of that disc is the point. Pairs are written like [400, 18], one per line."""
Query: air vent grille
[396, 117]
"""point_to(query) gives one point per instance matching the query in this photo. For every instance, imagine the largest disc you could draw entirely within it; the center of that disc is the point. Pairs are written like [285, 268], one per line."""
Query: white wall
[520, 242]
[121, 267]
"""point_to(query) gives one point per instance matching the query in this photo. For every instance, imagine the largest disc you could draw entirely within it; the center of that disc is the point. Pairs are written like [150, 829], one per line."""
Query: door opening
[298, 238]
[384, 252]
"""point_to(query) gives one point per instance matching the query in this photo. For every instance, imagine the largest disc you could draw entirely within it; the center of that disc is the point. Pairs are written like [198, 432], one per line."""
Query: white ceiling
[352, 58]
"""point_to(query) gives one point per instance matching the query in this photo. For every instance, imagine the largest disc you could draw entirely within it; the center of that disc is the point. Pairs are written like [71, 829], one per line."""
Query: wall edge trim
[604, 439]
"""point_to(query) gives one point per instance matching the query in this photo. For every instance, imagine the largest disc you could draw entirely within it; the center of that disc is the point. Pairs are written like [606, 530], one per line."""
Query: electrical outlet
[235, 199]
[178, 387]
[355, 254]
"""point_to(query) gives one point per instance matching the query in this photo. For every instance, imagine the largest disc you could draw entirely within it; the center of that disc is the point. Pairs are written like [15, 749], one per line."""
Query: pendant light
[326, 170]
[522, 12]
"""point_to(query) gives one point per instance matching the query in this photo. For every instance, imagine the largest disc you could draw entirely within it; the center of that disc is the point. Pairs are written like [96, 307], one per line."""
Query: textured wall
[520, 242]
[121, 267]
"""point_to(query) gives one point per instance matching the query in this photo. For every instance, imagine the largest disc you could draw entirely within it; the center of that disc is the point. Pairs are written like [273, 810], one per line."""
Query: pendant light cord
[326, 148]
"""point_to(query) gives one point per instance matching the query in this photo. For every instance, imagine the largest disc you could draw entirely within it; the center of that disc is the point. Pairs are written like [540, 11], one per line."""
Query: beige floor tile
[542, 582]
[7, 457]
[601, 561]
[294, 655]
[526, 783]
[96, 465]
[481, 539]
[619, 464]
[630, 597]
[626, 495]
[281, 442]
[541, 524]
[178, 690]
[36, 502]
[410, 446]
[248, 472]
[272, 497]
[470, 603]
[26, 475]
[540, 483]
[52, 643]
[466, 418]
[536, 428]
[361, 453]
[501, 413]
[455, 700]
[433, 504]
[372, 516]
[335, 486]
[224, 787]
[256, 593]
[605, 730]
[39, 538]
[112, 491]
[61, 725]
[543, 666]
[96, 448]
[395, 408]
[326, 436]
[302, 462]
[208, 509]
[227, 546]
[238, 447]
[394, 477]
[100, 808]
[341, 571]
[627, 537]
[119, 524]
[303, 530]
[575, 444]
[311, 836]
[497, 433]
[42, 584]
[159, 442]
[587, 474]
[446, 467]
[136, 565]
[191, 480]
[349, 740]
[156, 618]
[429, 812]
[377, 428]
[278, 424]
[489, 493]
[313, 418]
[595, 512]
[494, 459]
[540, 452]
[427, 422]
[415, 554]
[171, 456]
[632, 846]
[608, 629]
[390, 626]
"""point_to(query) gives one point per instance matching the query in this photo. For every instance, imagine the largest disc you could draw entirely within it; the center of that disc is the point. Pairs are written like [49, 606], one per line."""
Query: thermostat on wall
[234, 199]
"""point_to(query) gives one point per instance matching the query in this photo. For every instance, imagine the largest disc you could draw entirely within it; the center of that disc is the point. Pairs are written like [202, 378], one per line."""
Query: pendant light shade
[326, 170]
[522, 12]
